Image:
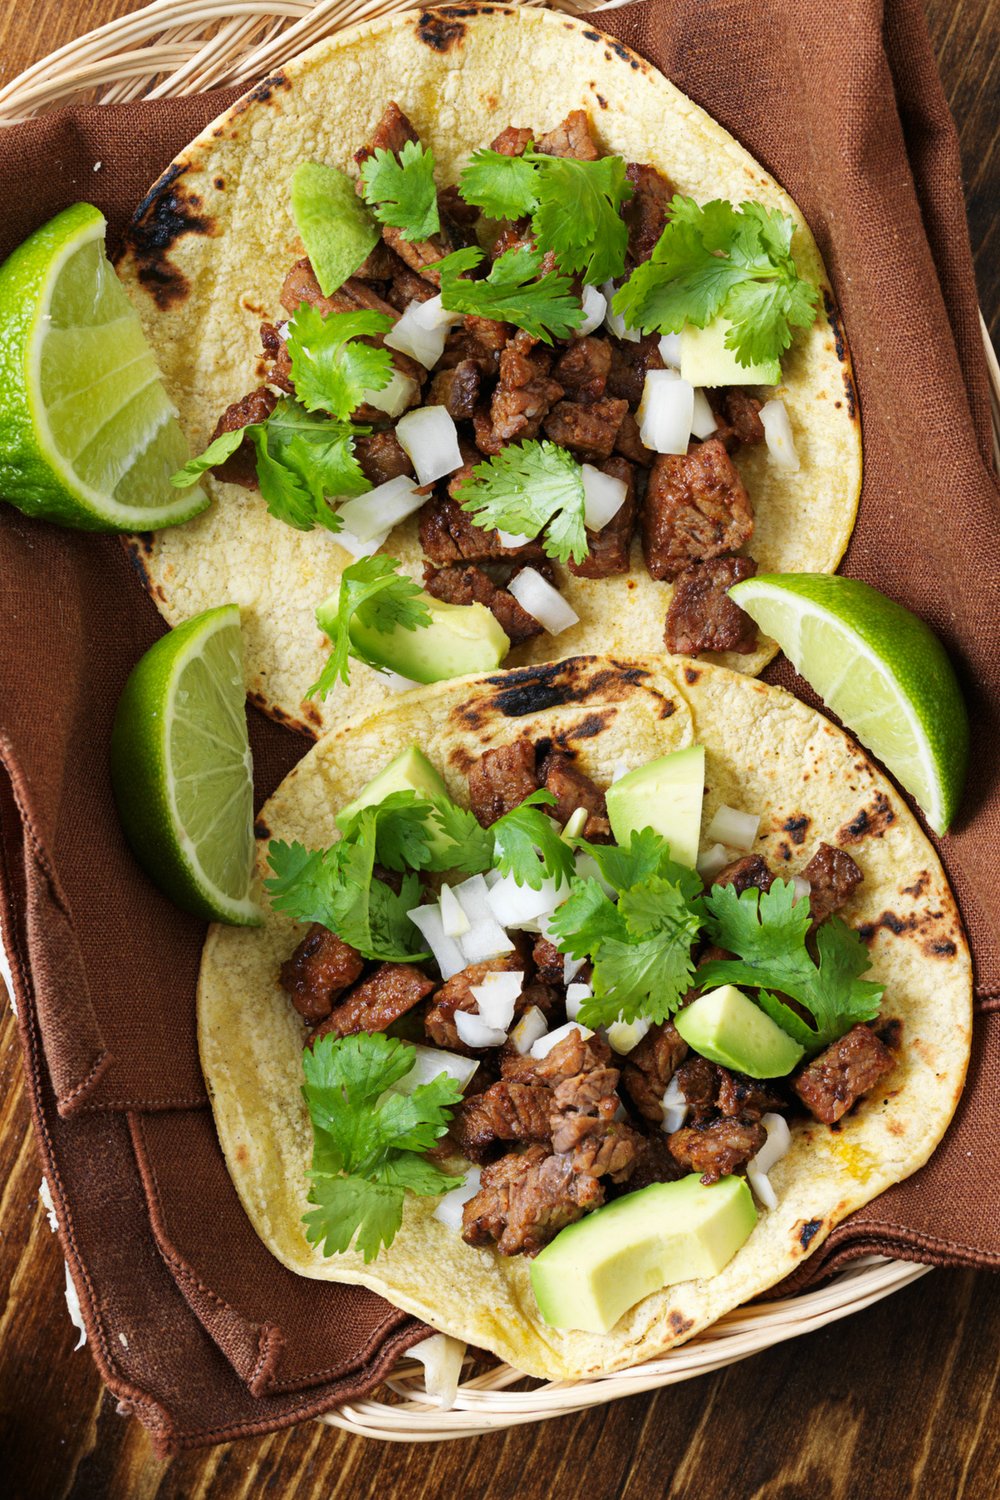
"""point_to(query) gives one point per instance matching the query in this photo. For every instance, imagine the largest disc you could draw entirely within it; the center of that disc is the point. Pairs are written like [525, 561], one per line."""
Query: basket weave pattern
[176, 47]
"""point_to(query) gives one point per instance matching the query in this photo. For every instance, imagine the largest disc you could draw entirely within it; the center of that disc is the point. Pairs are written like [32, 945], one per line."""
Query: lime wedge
[880, 669]
[88, 435]
[181, 768]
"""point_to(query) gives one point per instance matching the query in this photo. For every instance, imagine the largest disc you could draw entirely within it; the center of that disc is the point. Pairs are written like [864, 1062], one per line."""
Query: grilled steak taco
[481, 292]
[616, 988]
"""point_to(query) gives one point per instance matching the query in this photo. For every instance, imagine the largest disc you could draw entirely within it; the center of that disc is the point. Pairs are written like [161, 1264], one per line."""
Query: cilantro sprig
[331, 370]
[721, 259]
[527, 844]
[768, 933]
[526, 487]
[544, 306]
[401, 190]
[380, 598]
[369, 1139]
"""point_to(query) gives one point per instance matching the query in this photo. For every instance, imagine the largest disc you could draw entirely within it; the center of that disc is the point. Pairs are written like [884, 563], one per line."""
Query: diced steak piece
[583, 370]
[611, 547]
[456, 994]
[300, 285]
[751, 870]
[573, 788]
[570, 138]
[506, 1111]
[513, 141]
[590, 431]
[702, 617]
[655, 1162]
[406, 286]
[516, 235]
[391, 134]
[630, 445]
[241, 467]
[698, 1080]
[575, 1054]
[629, 363]
[501, 779]
[645, 213]
[524, 393]
[833, 877]
[448, 534]
[377, 1001]
[457, 389]
[525, 1199]
[319, 970]
[276, 349]
[696, 508]
[650, 1066]
[548, 961]
[382, 457]
[379, 265]
[740, 1097]
[478, 339]
[717, 1147]
[458, 217]
[464, 583]
[737, 417]
[836, 1079]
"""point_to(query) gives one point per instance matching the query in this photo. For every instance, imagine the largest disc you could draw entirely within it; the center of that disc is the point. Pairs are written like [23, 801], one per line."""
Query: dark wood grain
[894, 1403]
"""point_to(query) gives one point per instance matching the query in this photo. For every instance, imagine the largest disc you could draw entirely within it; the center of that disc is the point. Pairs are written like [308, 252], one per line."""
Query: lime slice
[182, 771]
[88, 435]
[882, 672]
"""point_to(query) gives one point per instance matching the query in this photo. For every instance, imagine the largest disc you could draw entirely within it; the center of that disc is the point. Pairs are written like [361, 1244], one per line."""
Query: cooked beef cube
[655, 1162]
[506, 1111]
[377, 1001]
[516, 235]
[751, 870]
[611, 547]
[456, 994]
[457, 390]
[583, 370]
[523, 396]
[478, 339]
[737, 420]
[716, 1148]
[501, 779]
[458, 218]
[698, 1080]
[321, 967]
[612, 1151]
[573, 788]
[276, 349]
[241, 467]
[382, 457]
[589, 430]
[467, 584]
[740, 1097]
[570, 138]
[448, 534]
[629, 364]
[300, 285]
[650, 1066]
[513, 141]
[836, 1079]
[646, 211]
[488, 440]
[548, 961]
[471, 456]
[696, 508]
[630, 445]
[391, 134]
[525, 1199]
[380, 265]
[406, 286]
[575, 1054]
[702, 617]
[833, 877]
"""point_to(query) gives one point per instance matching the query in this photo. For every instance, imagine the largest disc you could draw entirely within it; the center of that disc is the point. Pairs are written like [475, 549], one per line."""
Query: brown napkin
[192, 1323]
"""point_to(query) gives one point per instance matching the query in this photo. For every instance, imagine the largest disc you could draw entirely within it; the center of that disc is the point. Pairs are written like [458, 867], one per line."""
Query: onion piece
[586, 866]
[496, 998]
[542, 601]
[486, 938]
[670, 350]
[430, 437]
[514, 538]
[603, 496]
[529, 1028]
[430, 1063]
[379, 510]
[447, 954]
[571, 968]
[624, 1035]
[675, 1107]
[514, 904]
[396, 683]
[395, 397]
[621, 768]
[779, 1138]
[358, 546]
[613, 321]
[432, 314]
[802, 889]
[551, 1039]
[576, 994]
[595, 308]
[454, 919]
[449, 1210]
[442, 1358]
[733, 828]
[575, 823]
[666, 412]
[474, 1031]
[778, 432]
[703, 422]
[413, 337]
[711, 862]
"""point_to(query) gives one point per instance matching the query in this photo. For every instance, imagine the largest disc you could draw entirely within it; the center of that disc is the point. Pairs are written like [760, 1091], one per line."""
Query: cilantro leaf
[368, 1140]
[721, 259]
[768, 932]
[330, 369]
[513, 292]
[645, 855]
[528, 486]
[473, 844]
[221, 448]
[504, 187]
[381, 598]
[585, 920]
[529, 846]
[401, 190]
[404, 826]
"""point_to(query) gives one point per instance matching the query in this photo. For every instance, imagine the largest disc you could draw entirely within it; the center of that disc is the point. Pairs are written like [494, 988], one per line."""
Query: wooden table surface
[893, 1403]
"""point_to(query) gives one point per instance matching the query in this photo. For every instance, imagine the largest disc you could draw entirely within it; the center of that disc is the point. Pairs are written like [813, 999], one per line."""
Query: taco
[544, 369]
[695, 989]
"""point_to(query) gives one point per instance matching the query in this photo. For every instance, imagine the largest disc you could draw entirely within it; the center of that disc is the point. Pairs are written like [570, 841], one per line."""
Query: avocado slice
[725, 1026]
[665, 795]
[461, 638]
[411, 771]
[705, 360]
[595, 1270]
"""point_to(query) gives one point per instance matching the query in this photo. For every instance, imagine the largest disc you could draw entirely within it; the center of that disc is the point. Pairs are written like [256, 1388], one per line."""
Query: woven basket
[176, 47]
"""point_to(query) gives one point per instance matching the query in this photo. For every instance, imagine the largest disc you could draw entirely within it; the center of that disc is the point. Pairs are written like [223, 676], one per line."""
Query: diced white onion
[514, 538]
[491, 877]
[735, 829]
[703, 422]
[442, 1358]
[358, 546]
[571, 968]
[670, 350]
[430, 1063]
[779, 1138]
[575, 823]
[453, 915]
[447, 954]
[410, 335]
[551, 1039]
[595, 307]
[586, 866]
[396, 683]
[529, 1028]
[395, 397]
[621, 768]
[449, 1210]
[382, 508]
[576, 994]
[430, 437]
[486, 938]
[603, 496]
[802, 888]
[283, 331]
[624, 1035]
[497, 996]
[542, 601]
[614, 321]
[474, 1031]
[712, 861]
[778, 432]
[432, 314]
[675, 1107]
[666, 412]
[514, 904]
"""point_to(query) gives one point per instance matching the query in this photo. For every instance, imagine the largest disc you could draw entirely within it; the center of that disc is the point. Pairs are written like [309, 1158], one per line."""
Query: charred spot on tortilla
[601, 99]
[692, 675]
[588, 728]
[438, 33]
[263, 92]
[678, 1323]
[219, 183]
[312, 713]
[167, 213]
[870, 822]
[808, 1232]
[795, 827]
[535, 689]
[919, 885]
[261, 830]
[833, 318]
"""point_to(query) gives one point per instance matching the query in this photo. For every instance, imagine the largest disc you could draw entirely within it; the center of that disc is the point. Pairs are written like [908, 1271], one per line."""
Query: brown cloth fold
[192, 1323]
